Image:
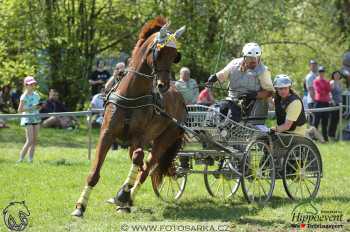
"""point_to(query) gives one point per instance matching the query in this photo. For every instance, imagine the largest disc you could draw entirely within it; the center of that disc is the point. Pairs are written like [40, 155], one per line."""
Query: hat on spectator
[321, 69]
[312, 62]
[29, 80]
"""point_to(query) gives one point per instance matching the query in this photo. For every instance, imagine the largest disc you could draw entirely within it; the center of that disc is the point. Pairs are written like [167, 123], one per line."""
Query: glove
[271, 132]
[213, 78]
[251, 95]
[248, 96]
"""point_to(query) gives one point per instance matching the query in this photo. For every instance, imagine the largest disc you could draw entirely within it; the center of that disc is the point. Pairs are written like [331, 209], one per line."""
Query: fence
[95, 111]
[67, 114]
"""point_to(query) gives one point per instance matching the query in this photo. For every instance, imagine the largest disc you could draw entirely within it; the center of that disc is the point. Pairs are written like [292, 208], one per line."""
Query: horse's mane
[147, 30]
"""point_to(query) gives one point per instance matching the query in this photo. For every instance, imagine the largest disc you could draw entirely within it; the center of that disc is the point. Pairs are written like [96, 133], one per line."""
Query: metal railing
[61, 114]
[90, 112]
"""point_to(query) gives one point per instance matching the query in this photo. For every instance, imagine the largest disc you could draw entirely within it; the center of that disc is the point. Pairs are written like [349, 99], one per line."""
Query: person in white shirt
[97, 103]
[187, 86]
[250, 80]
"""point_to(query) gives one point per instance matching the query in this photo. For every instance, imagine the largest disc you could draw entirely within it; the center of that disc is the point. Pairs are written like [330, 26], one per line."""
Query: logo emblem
[15, 216]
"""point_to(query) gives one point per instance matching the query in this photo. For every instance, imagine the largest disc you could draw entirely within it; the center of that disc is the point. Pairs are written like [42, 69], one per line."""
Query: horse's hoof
[123, 210]
[78, 212]
[111, 201]
[121, 204]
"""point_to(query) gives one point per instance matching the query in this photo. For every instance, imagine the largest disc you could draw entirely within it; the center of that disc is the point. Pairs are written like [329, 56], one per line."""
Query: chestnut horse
[133, 116]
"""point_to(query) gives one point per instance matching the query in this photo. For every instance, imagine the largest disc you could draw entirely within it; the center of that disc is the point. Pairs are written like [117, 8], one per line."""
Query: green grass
[51, 185]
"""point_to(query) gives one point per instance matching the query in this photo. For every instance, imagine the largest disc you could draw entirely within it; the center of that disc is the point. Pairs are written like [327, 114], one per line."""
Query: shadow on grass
[7, 161]
[276, 202]
[332, 198]
[64, 162]
[71, 144]
[206, 209]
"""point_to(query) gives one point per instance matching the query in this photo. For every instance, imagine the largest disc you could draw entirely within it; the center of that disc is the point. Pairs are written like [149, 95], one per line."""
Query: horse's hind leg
[105, 141]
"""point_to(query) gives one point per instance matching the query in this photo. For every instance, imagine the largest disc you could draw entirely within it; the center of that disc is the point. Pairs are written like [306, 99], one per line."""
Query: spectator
[97, 103]
[53, 105]
[98, 78]
[309, 79]
[305, 94]
[5, 99]
[206, 97]
[346, 75]
[2, 102]
[118, 74]
[345, 70]
[3, 124]
[336, 90]
[187, 86]
[322, 99]
[15, 96]
[29, 104]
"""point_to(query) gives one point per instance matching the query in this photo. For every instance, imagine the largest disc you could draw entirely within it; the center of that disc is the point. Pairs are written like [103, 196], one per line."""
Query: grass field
[51, 185]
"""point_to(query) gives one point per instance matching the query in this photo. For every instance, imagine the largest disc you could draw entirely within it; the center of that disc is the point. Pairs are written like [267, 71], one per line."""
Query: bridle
[154, 98]
[154, 75]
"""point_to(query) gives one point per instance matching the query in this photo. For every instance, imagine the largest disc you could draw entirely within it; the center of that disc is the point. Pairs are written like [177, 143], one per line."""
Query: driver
[249, 79]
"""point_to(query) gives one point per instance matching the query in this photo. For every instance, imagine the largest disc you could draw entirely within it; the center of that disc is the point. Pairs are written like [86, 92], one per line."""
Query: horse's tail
[166, 160]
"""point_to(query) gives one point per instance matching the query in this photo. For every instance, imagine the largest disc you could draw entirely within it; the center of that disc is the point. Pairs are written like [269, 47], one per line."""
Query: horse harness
[154, 99]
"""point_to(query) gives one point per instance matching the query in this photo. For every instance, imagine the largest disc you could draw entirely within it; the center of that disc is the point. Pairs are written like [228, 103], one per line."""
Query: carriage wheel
[224, 182]
[173, 184]
[302, 172]
[258, 172]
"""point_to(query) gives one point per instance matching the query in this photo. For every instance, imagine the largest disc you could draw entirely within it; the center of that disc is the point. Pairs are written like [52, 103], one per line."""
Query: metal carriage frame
[239, 154]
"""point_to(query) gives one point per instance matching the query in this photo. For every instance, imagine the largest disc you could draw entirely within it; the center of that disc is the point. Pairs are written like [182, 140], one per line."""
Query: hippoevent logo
[15, 216]
[307, 215]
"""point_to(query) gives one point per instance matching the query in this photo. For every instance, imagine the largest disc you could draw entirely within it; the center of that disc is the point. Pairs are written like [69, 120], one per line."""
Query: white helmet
[252, 50]
[281, 81]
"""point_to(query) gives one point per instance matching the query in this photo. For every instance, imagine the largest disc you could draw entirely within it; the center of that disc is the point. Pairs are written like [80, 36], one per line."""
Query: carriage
[240, 154]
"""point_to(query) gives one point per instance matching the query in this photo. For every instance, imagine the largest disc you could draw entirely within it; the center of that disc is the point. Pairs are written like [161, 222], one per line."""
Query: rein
[149, 77]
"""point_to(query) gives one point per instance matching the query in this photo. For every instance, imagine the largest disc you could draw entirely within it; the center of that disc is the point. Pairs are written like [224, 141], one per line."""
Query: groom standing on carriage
[250, 81]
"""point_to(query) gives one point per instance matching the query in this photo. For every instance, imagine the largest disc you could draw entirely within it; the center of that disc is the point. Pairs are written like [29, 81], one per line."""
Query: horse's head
[164, 53]
[159, 50]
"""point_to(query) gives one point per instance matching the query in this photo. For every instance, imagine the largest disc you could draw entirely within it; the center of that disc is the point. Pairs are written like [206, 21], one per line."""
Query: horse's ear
[177, 58]
[179, 32]
[163, 32]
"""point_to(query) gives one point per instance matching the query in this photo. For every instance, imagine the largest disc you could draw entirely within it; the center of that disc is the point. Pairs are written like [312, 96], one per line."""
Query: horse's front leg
[105, 141]
[123, 198]
[164, 149]
[143, 174]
